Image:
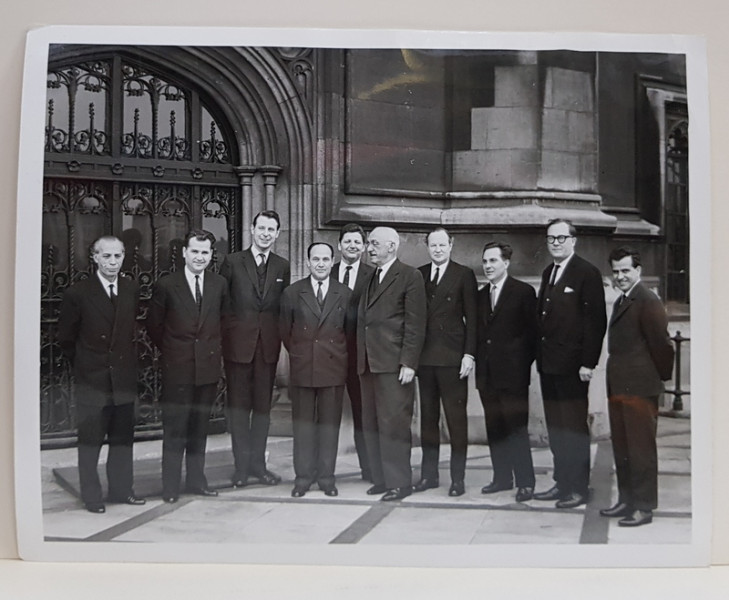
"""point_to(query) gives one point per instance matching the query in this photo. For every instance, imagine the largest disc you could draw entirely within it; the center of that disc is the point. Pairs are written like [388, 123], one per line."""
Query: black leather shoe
[298, 492]
[553, 493]
[619, 510]
[397, 494]
[331, 492]
[524, 493]
[95, 507]
[268, 478]
[425, 484]
[638, 518]
[202, 492]
[131, 499]
[170, 499]
[571, 501]
[495, 486]
[376, 489]
[457, 489]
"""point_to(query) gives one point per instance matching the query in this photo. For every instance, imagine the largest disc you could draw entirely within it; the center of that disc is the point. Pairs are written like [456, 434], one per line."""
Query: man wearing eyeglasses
[572, 322]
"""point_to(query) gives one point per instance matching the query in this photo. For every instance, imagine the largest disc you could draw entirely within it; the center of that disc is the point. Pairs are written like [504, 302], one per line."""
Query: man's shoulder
[584, 265]
[365, 268]
[277, 259]
[340, 287]
[519, 285]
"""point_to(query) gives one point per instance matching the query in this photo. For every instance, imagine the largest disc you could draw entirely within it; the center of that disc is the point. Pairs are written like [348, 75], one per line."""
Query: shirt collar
[315, 284]
[442, 268]
[190, 276]
[386, 267]
[255, 250]
[106, 283]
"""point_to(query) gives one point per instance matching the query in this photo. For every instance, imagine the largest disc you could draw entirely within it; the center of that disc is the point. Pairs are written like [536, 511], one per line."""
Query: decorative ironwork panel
[77, 113]
[676, 208]
[155, 114]
[213, 149]
[75, 213]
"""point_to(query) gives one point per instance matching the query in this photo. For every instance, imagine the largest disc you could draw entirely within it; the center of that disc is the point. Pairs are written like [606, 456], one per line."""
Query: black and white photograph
[363, 298]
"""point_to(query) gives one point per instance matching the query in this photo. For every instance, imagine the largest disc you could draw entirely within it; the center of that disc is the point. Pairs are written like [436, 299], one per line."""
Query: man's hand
[406, 375]
[585, 374]
[466, 366]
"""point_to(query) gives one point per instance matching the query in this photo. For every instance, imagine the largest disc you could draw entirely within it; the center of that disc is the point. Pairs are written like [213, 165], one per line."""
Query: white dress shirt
[352, 273]
[106, 283]
[190, 276]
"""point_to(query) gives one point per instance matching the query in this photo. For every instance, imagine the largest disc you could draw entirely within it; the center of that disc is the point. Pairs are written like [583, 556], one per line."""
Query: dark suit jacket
[255, 312]
[99, 341]
[451, 323]
[571, 319]
[316, 338]
[391, 321]
[506, 336]
[640, 353]
[190, 340]
[364, 274]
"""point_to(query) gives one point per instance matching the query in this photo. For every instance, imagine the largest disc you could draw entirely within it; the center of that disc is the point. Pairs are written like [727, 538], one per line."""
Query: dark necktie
[376, 280]
[198, 294]
[112, 295]
[319, 294]
[434, 279]
[345, 281]
[553, 280]
[261, 270]
[492, 296]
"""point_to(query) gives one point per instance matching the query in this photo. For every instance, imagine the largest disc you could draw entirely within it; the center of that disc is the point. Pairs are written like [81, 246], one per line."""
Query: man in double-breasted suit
[571, 322]
[187, 315]
[390, 335]
[256, 279]
[640, 359]
[507, 328]
[353, 273]
[446, 361]
[96, 329]
[314, 324]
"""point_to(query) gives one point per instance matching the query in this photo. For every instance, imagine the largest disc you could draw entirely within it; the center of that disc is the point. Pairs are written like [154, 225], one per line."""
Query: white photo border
[31, 542]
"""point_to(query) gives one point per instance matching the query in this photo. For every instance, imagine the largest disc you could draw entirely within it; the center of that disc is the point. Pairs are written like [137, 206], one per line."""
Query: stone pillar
[245, 177]
[270, 177]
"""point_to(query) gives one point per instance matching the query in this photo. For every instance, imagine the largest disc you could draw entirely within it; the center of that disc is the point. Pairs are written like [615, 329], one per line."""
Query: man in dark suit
[640, 358]
[256, 279]
[314, 324]
[187, 315]
[390, 335]
[572, 322]
[446, 361]
[507, 328]
[353, 273]
[96, 329]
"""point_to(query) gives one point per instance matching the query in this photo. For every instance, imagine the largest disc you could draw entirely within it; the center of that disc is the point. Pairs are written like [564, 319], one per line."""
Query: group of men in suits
[371, 330]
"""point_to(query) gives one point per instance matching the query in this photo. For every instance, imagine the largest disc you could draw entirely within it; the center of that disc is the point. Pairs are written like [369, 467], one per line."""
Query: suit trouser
[250, 389]
[436, 383]
[633, 423]
[317, 413]
[387, 412]
[565, 409]
[507, 419]
[185, 418]
[355, 398]
[116, 423]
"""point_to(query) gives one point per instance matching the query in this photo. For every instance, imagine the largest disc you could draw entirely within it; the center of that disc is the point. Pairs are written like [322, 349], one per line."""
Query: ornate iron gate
[132, 152]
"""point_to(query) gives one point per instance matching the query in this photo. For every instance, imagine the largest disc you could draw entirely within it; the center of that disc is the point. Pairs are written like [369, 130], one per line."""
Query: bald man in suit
[390, 336]
[96, 329]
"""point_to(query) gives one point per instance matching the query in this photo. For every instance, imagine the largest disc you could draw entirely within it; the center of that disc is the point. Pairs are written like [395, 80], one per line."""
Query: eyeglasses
[560, 239]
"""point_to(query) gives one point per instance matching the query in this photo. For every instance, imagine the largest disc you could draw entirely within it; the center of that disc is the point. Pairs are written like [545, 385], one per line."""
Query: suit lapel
[387, 281]
[207, 298]
[446, 283]
[503, 296]
[270, 275]
[101, 299]
[250, 266]
[307, 297]
[185, 295]
[330, 301]
[619, 309]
